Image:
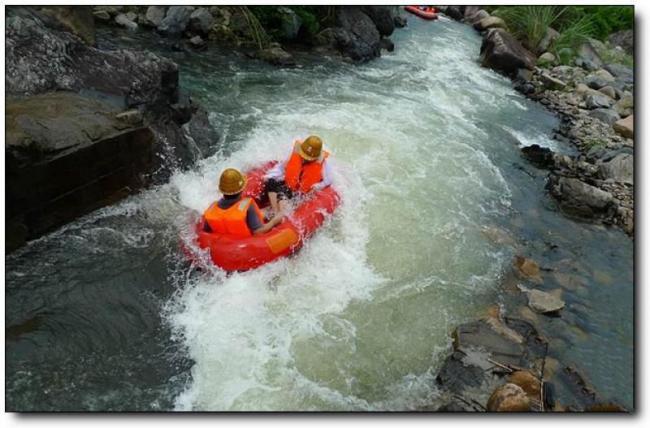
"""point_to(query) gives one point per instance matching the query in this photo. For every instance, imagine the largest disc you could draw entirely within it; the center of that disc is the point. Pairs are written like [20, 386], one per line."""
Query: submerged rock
[483, 351]
[543, 302]
[542, 157]
[527, 268]
[276, 55]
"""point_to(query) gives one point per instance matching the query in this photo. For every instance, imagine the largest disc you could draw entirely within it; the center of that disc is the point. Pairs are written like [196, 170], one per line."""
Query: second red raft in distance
[240, 254]
[424, 12]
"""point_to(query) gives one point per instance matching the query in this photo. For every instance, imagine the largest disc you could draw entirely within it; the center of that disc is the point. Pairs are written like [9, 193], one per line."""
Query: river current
[104, 314]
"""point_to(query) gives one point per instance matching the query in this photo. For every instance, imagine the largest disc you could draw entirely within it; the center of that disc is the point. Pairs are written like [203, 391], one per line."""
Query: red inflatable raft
[240, 254]
[424, 12]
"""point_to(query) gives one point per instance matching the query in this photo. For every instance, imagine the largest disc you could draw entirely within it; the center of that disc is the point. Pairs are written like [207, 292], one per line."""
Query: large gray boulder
[154, 16]
[176, 20]
[201, 21]
[620, 168]
[502, 52]
[489, 22]
[383, 18]
[37, 59]
[607, 115]
[579, 199]
[355, 34]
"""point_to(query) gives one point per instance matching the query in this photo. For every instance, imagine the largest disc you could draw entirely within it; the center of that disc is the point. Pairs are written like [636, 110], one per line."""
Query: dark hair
[231, 197]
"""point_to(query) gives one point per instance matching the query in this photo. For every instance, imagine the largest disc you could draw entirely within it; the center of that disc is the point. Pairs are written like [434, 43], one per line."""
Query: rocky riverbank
[86, 127]
[501, 363]
[594, 99]
[139, 124]
[269, 33]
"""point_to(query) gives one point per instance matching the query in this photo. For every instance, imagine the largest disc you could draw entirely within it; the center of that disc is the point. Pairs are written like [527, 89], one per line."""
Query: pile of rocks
[358, 33]
[595, 101]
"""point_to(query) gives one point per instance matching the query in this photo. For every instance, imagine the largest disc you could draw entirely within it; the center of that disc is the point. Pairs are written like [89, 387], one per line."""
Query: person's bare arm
[277, 219]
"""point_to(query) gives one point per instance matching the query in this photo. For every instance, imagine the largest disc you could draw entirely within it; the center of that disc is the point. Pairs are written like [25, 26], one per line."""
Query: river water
[104, 314]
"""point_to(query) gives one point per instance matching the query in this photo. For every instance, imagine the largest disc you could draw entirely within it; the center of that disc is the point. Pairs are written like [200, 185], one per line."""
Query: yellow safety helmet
[310, 149]
[231, 182]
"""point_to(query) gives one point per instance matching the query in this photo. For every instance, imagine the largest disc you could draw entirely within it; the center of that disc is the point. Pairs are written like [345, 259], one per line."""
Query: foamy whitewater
[425, 146]
[359, 318]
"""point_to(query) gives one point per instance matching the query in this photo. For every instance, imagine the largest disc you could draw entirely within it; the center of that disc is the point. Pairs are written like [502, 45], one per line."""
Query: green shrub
[605, 19]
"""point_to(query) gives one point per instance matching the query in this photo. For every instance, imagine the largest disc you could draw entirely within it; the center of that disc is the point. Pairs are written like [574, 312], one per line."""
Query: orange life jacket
[301, 176]
[232, 220]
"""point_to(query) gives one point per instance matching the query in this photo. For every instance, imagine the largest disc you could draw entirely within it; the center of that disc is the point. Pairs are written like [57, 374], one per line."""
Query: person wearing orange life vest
[234, 215]
[306, 169]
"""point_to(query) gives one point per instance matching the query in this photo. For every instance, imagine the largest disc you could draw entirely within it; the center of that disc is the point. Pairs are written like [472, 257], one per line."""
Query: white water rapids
[360, 318]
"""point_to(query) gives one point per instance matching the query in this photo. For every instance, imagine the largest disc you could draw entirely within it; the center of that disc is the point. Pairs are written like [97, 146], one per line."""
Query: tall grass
[575, 34]
[529, 23]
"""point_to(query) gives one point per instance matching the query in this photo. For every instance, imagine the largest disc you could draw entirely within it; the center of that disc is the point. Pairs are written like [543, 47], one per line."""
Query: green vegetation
[576, 24]
[604, 20]
[529, 23]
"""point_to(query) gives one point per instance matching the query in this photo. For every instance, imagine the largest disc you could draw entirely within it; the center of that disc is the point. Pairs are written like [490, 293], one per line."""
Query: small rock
[197, 42]
[102, 15]
[545, 59]
[276, 56]
[508, 398]
[625, 127]
[598, 80]
[609, 91]
[132, 16]
[581, 88]
[625, 106]
[543, 302]
[598, 100]
[125, 22]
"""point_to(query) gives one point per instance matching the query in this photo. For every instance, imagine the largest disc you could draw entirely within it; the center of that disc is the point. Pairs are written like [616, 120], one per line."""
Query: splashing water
[424, 145]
